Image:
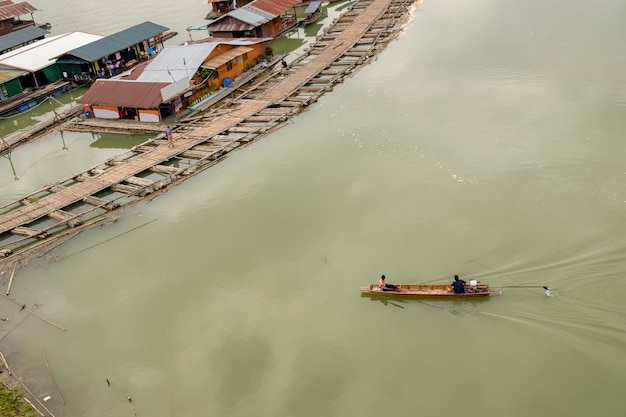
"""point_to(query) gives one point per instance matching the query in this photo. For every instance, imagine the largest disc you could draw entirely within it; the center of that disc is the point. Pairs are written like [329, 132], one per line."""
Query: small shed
[11, 16]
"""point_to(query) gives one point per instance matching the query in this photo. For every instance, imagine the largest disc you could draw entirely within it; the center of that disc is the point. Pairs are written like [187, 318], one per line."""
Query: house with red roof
[258, 19]
[178, 77]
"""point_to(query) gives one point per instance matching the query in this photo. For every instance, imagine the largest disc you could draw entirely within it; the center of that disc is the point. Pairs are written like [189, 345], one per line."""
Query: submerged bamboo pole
[13, 328]
[111, 238]
[11, 279]
[19, 380]
[125, 394]
[4, 361]
[33, 406]
[23, 307]
[52, 377]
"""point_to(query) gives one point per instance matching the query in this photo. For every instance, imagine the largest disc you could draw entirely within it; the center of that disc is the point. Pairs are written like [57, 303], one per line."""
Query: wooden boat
[431, 291]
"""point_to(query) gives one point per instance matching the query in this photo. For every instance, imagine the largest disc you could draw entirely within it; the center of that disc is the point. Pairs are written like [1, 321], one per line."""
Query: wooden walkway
[44, 218]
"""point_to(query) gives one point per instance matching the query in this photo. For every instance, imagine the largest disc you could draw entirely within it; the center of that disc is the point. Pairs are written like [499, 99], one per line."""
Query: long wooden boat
[431, 291]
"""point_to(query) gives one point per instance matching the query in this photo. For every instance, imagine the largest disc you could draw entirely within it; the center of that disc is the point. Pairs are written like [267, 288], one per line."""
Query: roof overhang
[221, 59]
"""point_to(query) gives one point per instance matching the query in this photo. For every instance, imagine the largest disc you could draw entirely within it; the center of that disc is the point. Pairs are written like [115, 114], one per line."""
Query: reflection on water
[42, 112]
[111, 141]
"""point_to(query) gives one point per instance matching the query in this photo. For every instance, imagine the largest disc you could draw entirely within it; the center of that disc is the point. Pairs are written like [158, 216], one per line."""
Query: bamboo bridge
[39, 222]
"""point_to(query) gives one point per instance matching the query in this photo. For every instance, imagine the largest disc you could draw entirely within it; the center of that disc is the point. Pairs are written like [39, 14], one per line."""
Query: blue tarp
[313, 7]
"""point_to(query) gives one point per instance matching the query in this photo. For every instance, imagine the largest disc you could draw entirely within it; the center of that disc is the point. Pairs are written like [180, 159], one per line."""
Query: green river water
[486, 141]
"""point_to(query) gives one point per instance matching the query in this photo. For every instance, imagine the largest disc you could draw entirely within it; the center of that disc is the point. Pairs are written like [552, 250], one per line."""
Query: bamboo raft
[45, 218]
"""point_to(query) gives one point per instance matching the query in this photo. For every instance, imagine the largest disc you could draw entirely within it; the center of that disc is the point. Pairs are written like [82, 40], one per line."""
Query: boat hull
[429, 291]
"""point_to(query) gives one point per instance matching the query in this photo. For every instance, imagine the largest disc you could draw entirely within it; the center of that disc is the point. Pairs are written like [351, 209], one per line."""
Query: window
[245, 57]
[229, 65]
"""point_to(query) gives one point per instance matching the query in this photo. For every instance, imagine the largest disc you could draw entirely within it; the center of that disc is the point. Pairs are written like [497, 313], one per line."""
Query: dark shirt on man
[458, 286]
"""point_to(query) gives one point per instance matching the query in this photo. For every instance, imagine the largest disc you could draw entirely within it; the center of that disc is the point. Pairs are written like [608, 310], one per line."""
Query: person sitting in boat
[386, 287]
[458, 286]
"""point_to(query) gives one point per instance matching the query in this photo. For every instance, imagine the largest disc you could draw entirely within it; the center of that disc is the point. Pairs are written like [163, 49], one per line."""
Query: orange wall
[239, 65]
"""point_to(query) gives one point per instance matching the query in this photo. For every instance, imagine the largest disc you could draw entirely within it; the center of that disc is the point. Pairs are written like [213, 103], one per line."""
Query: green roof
[117, 42]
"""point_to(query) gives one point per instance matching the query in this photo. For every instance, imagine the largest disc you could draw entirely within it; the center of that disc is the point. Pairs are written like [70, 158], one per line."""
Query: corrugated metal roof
[273, 7]
[254, 17]
[121, 93]
[245, 41]
[10, 11]
[313, 7]
[221, 59]
[118, 41]
[41, 54]
[230, 27]
[251, 15]
[27, 34]
[174, 63]
[9, 75]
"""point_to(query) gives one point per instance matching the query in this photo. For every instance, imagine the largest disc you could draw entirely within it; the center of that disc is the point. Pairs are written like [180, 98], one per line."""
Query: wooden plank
[100, 202]
[194, 154]
[28, 232]
[66, 218]
[57, 188]
[164, 169]
[142, 182]
[244, 129]
[125, 189]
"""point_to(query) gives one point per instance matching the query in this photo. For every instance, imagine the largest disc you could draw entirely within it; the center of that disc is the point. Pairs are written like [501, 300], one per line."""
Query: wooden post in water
[11, 279]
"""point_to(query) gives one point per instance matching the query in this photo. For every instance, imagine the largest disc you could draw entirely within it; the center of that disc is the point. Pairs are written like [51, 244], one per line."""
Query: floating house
[15, 31]
[221, 7]
[177, 78]
[113, 54]
[33, 65]
[11, 16]
[258, 19]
